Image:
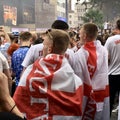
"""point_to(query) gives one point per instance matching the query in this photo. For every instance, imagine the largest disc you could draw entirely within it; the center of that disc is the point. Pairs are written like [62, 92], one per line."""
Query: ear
[50, 49]
[84, 36]
[31, 40]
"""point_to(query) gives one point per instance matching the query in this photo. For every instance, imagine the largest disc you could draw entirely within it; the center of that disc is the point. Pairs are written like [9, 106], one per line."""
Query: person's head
[12, 48]
[13, 38]
[59, 24]
[34, 38]
[117, 27]
[55, 41]
[25, 36]
[72, 35]
[38, 41]
[88, 32]
[118, 24]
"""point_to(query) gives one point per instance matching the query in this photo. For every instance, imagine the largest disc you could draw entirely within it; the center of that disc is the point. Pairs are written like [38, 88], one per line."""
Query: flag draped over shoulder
[96, 91]
[49, 90]
[92, 68]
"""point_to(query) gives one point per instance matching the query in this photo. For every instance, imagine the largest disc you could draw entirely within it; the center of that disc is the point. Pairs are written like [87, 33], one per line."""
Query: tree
[110, 8]
[95, 16]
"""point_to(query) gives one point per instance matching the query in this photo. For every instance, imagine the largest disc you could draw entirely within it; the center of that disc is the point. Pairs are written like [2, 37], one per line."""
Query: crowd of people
[59, 74]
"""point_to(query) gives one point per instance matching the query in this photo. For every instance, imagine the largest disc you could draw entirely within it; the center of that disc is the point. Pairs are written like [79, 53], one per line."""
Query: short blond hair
[91, 30]
[60, 40]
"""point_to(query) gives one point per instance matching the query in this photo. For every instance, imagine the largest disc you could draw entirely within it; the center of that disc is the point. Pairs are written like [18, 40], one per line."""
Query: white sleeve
[79, 63]
[4, 62]
[108, 45]
[29, 57]
[69, 54]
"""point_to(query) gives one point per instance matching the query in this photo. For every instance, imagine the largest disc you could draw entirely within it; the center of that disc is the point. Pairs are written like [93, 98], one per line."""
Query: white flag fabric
[91, 65]
[50, 90]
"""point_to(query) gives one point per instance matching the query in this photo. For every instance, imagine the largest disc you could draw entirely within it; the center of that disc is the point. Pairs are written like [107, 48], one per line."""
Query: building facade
[61, 10]
[15, 12]
[44, 13]
[81, 9]
[31, 13]
[73, 19]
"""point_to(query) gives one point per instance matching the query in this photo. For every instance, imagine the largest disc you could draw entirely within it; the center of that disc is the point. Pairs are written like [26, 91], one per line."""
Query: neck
[25, 43]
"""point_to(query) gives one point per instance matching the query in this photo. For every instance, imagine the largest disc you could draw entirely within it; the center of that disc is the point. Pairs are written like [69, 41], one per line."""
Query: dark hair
[91, 30]
[118, 24]
[38, 41]
[12, 37]
[59, 24]
[72, 34]
[25, 36]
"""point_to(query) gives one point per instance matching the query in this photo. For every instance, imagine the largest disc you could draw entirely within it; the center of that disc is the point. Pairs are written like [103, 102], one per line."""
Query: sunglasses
[49, 33]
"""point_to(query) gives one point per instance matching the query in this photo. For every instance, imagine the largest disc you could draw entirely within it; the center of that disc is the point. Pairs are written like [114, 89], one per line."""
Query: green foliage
[95, 16]
[110, 8]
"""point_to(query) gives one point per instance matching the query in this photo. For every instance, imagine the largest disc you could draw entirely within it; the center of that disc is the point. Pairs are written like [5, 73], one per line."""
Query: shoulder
[2, 57]
[37, 46]
[111, 41]
[69, 51]
[113, 38]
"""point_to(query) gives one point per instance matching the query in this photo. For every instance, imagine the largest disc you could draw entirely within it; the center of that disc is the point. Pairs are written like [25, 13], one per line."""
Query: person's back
[19, 55]
[36, 50]
[49, 89]
[91, 65]
[113, 46]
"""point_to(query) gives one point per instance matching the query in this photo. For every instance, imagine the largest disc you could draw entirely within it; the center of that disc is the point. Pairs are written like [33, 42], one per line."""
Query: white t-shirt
[33, 53]
[3, 63]
[113, 46]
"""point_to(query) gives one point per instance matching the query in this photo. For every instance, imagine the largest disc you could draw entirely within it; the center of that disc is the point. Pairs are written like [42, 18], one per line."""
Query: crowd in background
[18, 52]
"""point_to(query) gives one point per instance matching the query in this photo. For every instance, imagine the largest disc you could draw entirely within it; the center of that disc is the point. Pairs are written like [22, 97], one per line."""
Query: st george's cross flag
[91, 65]
[50, 90]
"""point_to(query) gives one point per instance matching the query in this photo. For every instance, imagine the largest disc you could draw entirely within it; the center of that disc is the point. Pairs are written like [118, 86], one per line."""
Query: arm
[29, 57]
[108, 47]
[7, 73]
[6, 101]
[2, 32]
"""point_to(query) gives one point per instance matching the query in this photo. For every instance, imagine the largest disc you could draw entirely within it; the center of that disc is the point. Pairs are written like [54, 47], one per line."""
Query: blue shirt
[16, 61]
